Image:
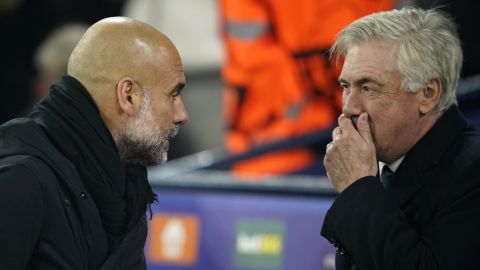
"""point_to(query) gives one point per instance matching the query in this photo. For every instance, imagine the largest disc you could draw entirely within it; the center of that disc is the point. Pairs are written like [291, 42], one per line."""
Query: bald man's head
[135, 75]
[116, 47]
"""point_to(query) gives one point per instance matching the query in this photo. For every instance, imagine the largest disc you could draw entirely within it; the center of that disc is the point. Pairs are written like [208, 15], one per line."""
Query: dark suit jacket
[430, 217]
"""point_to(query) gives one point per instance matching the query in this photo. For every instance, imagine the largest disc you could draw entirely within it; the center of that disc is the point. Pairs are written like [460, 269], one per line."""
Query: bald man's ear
[429, 96]
[129, 96]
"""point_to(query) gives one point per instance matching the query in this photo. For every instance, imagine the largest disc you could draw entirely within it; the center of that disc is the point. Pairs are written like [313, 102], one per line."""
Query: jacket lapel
[408, 179]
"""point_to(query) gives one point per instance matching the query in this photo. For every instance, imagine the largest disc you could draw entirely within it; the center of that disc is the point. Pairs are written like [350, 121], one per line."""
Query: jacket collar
[426, 154]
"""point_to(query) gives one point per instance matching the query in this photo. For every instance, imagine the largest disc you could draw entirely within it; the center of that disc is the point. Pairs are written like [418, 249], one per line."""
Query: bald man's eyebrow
[177, 89]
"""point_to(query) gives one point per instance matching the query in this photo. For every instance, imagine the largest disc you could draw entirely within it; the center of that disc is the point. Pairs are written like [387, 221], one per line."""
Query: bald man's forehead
[170, 62]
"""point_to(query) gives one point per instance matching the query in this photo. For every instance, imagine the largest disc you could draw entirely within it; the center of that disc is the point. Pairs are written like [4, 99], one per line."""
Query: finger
[329, 144]
[346, 125]
[336, 133]
[364, 128]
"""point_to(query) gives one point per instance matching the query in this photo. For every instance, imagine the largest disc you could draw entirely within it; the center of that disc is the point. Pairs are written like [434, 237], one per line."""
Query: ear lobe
[429, 96]
[127, 95]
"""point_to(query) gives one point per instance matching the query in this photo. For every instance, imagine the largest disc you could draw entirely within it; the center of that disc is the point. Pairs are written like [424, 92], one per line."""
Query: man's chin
[162, 157]
[165, 145]
[158, 160]
[152, 160]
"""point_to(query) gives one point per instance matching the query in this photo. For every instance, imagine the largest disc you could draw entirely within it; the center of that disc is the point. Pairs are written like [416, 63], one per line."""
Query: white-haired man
[403, 158]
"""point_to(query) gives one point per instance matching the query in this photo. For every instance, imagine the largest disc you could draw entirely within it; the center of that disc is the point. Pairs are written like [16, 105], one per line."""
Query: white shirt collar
[393, 166]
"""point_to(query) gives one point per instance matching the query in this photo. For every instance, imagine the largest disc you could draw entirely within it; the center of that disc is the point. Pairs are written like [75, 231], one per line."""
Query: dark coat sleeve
[371, 230]
[21, 212]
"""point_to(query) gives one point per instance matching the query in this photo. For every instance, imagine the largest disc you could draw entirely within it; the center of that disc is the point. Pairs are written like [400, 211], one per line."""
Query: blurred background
[245, 186]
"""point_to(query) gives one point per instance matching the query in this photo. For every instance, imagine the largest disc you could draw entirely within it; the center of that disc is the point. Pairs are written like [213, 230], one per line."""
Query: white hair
[428, 47]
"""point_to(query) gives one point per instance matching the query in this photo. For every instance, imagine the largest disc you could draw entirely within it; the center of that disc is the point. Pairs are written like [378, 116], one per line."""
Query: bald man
[73, 183]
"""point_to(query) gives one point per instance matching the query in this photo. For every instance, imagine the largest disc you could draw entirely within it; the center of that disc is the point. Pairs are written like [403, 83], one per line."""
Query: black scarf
[72, 121]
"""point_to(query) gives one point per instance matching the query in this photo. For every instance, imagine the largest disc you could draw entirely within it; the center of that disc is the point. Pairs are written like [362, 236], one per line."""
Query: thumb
[364, 128]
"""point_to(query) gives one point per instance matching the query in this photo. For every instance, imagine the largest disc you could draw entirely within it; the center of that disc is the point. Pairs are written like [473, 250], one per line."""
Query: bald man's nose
[180, 114]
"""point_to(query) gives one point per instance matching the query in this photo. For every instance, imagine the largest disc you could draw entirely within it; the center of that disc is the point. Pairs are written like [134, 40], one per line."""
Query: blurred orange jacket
[279, 80]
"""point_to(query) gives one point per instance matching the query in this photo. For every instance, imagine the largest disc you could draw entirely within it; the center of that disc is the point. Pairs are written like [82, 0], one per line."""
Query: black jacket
[48, 217]
[429, 219]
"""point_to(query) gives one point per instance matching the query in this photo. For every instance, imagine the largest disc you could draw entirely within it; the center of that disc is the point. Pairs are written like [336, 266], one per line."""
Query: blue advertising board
[215, 230]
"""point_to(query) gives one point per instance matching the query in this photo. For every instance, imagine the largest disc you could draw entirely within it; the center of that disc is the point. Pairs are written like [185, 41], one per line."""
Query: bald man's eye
[175, 95]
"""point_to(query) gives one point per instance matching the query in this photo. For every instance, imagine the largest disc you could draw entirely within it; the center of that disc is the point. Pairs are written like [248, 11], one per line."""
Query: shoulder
[25, 150]
[22, 196]
[17, 167]
[24, 165]
[459, 166]
[466, 152]
[24, 174]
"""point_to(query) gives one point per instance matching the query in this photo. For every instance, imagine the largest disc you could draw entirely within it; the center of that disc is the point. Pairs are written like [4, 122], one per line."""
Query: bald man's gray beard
[143, 141]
